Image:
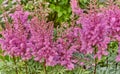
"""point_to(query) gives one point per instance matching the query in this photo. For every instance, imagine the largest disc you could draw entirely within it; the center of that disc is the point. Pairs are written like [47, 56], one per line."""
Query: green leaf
[60, 14]
[1, 1]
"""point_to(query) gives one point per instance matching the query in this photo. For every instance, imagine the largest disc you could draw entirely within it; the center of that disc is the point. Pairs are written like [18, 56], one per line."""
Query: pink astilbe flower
[20, 17]
[99, 27]
[75, 7]
[113, 14]
[94, 32]
[113, 17]
[66, 46]
[15, 40]
[42, 41]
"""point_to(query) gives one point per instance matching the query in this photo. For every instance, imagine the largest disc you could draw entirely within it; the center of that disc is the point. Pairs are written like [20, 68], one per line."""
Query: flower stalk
[44, 66]
[14, 60]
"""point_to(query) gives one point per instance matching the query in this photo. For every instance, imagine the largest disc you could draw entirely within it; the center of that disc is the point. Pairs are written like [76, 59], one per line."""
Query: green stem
[14, 60]
[44, 66]
[95, 66]
[26, 67]
[116, 68]
[95, 62]
[107, 62]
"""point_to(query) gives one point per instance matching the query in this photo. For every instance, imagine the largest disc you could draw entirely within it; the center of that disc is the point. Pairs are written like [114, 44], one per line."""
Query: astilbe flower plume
[112, 14]
[42, 41]
[15, 40]
[66, 45]
[113, 17]
[94, 32]
[75, 8]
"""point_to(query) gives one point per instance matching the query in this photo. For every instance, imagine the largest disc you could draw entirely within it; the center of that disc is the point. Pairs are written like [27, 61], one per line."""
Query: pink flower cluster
[75, 8]
[42, 41]
[94, 33]
[15, 41]
[66, 45]
[34, 38]
[99, 27]
[113, 17]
